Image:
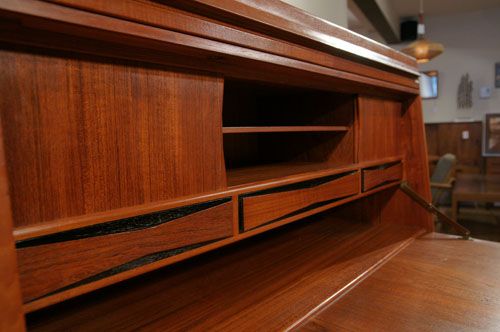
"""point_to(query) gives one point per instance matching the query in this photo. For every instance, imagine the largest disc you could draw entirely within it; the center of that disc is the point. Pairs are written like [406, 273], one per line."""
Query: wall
[332, 10]
[472, 45]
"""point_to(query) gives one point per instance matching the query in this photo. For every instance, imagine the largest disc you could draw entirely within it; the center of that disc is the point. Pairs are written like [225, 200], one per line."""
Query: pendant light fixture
[422, 49]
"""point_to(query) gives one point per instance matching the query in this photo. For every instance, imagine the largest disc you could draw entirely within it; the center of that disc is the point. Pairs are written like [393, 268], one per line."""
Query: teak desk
[475, 188]
[247, 151]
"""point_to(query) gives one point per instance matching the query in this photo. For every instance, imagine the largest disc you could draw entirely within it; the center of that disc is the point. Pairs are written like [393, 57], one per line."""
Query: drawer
[380, 175]
[59, 262]
[275, 204]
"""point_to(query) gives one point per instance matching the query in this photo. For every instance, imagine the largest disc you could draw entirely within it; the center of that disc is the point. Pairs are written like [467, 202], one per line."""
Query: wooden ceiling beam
[375, 15]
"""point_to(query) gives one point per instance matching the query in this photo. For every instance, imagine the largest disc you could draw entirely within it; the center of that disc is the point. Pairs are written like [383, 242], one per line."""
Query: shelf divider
[282, 129]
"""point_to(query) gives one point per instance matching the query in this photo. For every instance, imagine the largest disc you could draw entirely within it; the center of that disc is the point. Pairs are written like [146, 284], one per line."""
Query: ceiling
[405, 8]
[356, 21]
[400, 9]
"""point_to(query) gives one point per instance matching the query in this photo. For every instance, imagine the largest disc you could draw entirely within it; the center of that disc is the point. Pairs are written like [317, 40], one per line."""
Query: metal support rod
[464, 232]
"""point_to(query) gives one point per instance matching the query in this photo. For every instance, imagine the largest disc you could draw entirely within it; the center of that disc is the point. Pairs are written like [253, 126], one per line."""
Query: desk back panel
[379, 128]
[89, 135]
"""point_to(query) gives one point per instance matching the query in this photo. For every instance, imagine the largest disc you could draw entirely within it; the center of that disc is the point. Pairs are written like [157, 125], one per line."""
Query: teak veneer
[138, 134]
[281, 129]
[437, 283]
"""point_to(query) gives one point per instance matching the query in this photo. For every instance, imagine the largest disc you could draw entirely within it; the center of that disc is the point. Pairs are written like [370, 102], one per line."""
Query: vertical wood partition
[379, 128]
[11, 311]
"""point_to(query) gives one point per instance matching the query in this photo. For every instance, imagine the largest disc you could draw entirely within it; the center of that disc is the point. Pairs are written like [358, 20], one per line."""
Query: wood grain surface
[415, 167]
[52, 264]
[287, 22]
[373, 177]
[474, 188]
[156, 14]
[282, 129]
[438, 283]
[109, 36]
[265, 207]
[93, 135]
[266, 283]
[112, 113]
[379, 128]
[242, 176]
[11, 311]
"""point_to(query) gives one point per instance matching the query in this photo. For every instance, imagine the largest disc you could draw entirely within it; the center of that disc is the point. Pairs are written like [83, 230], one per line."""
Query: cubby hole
[276, 131]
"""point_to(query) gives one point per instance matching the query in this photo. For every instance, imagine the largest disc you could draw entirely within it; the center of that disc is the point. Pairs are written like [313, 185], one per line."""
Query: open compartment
[276, 131]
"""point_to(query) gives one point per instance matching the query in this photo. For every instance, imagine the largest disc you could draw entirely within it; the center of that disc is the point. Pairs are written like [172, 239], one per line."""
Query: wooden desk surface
[477, 184]
[437, 283]
[475, 188]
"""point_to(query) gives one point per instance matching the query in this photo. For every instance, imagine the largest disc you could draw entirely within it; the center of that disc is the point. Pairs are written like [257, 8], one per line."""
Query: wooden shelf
[264, 283]
[251, 174]
[283, 129]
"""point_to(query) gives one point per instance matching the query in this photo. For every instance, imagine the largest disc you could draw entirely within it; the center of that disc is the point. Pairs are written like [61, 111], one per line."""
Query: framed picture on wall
[491, 132]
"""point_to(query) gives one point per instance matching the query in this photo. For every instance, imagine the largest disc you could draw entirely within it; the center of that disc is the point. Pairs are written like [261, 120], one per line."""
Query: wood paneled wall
[447, 138]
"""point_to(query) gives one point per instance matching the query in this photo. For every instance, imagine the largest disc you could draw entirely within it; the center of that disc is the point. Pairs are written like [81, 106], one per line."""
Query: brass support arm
[464, 232]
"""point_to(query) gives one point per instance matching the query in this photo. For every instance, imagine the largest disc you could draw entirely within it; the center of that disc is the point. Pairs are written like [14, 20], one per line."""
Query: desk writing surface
[437, 283]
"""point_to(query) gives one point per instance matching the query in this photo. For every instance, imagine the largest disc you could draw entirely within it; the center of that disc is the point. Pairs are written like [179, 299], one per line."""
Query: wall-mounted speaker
[409, 30]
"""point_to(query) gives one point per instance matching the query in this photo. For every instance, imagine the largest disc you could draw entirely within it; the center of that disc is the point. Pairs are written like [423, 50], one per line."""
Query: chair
[442, 180]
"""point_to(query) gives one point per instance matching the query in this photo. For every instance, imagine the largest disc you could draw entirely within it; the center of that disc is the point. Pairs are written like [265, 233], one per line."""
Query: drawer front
[58, 262]
[272, 205]
[374, 177]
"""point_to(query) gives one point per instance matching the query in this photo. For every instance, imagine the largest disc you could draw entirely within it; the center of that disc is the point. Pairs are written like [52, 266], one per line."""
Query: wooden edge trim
[292, 20]
[211, 30]
[380, 162]
[382, 167]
